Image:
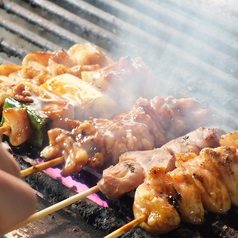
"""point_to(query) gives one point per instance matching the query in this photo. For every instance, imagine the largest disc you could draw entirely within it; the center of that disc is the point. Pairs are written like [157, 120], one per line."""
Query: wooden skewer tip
[127, 227]
[43, 166]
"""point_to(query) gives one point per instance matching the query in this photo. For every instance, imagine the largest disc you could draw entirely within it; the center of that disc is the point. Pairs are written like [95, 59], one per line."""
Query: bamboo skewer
[60, 205]
[40, 167]
[38, 215]
[127, 227]
[71, 200]
[56, 207]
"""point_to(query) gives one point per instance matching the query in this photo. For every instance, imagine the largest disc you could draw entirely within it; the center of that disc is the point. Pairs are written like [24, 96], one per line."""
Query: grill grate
[192, 45]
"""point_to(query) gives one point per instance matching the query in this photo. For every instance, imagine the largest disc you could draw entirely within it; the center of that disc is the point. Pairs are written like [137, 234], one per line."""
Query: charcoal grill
[191, 45]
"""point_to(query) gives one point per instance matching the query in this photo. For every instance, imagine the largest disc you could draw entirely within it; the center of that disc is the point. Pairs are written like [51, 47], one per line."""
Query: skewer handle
[127, 227]
[40, 167]
[57, 206]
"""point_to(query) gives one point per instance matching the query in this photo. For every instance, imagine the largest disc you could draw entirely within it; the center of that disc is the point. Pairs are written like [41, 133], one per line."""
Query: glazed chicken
[133, 166]
[150, 124]
[199, 183]
[85, 75]
[76, 84]
[38, 67]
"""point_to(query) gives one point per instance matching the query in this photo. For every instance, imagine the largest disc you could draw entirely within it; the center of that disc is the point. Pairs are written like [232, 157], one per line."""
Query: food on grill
[207, 182]
[24, 123]
[133, 166]
[87, 65]
[99, 142]
[38, 67]
[124, 81]
[230, 139]
[81, 90]
[79, 83]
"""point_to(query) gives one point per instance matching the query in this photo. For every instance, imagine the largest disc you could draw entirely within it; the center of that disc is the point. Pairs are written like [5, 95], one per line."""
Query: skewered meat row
[79, 83]
[75, 84]
[204, 182]
[99, 142]
[38, 67]
[84, 67]
[133, 166]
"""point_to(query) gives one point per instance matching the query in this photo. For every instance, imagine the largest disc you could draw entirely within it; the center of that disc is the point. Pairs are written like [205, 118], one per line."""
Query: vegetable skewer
[21, 122]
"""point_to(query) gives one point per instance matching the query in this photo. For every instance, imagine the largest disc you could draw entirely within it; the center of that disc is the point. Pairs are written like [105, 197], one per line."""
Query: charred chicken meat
[149, 124]
[199, 183]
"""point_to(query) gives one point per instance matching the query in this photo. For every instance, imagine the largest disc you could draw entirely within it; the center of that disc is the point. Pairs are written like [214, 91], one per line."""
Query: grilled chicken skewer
[192, 142]
[79, 83]
[199, 183]
[133, 166]
[150, 124]
[159, 207]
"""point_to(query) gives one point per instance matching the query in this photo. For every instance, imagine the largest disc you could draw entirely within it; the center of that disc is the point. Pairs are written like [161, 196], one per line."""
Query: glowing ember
[78, 187]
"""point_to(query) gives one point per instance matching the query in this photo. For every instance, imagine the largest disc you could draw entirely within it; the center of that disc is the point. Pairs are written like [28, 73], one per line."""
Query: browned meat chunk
[99, 142]
[133, 166]
[198, 183]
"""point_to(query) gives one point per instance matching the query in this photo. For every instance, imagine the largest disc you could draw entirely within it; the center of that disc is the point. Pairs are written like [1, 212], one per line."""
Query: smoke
[190, 45]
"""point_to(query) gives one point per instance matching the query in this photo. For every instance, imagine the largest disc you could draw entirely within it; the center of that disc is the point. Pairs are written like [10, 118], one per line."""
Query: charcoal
[119, 212]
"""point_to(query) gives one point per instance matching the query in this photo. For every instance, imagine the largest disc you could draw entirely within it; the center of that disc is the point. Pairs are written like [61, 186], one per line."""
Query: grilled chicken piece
[87, 100]
[19, 123]
[133, 166]
[204, 182]
[123, 81]
[41, 66]
[190, 205]
[82, 66]
[153, 199]
[226, 159]
[99, 142]
[230, 139]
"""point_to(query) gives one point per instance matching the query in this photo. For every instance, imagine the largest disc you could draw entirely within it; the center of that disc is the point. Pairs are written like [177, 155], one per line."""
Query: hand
[17, 198]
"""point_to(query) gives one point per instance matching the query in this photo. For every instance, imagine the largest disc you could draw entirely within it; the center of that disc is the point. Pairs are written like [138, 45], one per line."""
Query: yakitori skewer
[212, 136]
[212, 182]
[43, 166]
[127, 227]
[140, 219]
[114, 183]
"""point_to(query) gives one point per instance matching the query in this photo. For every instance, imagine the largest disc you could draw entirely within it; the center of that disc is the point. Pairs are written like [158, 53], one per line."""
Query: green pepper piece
[40, 123]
